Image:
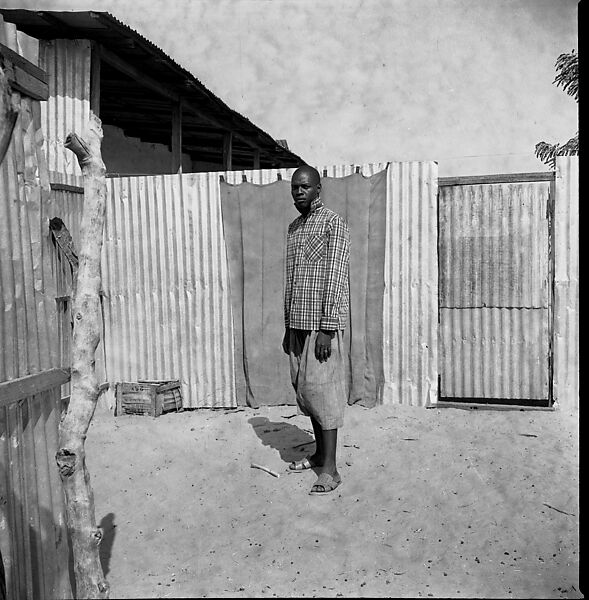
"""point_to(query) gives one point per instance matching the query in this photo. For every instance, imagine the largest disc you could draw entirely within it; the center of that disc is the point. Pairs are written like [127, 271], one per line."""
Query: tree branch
[71, 456]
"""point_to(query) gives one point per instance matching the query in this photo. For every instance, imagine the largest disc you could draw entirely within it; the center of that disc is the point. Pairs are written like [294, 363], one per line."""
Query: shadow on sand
[292, 442]
[107, 524]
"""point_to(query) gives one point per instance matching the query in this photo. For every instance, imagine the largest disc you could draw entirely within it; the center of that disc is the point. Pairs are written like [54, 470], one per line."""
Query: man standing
[316, 304]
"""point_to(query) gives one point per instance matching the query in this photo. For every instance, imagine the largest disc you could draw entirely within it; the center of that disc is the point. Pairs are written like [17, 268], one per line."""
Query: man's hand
[323, 345]
[285, 341]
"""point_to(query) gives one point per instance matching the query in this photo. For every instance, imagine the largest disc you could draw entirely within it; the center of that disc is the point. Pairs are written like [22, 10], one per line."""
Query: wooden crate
[148, 397]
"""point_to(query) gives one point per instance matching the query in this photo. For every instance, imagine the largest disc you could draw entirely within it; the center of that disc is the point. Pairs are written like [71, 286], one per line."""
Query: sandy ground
[434, 503]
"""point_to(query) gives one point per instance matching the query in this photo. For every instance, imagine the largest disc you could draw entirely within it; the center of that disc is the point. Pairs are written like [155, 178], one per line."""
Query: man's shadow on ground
[292, 442]
[107, 524]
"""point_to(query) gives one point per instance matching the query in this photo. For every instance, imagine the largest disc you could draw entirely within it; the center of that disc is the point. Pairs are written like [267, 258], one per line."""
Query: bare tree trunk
[71, 456]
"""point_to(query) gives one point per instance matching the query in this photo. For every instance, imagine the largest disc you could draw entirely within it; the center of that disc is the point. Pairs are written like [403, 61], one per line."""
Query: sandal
[300, 465]
[327, 482]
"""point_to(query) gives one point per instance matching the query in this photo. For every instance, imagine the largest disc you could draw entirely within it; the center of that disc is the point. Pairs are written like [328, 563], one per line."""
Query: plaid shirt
[316, 294]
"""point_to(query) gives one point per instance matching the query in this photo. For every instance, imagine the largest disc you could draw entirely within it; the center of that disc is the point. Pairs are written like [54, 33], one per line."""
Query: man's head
[305, 186]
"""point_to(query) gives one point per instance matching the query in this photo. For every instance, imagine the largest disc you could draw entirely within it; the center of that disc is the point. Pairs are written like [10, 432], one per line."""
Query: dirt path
[434, 503]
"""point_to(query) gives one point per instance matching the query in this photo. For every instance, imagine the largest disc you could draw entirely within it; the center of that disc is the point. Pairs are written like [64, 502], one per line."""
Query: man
[316, 304]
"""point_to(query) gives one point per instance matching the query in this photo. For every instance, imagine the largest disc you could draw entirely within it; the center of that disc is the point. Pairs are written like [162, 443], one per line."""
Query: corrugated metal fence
[33, 535]
[167, 304]
[566, 282]
[494, 294]
[27, 299]
[67, 64]
[167, 308]
[411, 285]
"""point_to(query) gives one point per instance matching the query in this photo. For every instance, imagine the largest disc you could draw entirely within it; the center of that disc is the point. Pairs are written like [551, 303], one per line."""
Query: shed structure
[157, 117]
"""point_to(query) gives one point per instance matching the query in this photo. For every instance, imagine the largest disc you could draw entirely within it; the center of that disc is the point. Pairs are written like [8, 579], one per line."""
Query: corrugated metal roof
[150, 110]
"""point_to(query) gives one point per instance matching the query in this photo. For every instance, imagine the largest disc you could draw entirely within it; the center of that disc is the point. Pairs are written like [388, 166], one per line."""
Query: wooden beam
[23, 63]
[65, 187]
[196, 147]
[23, 75]
[473, 406]
[65, 30]
[124, 67]
[228, 151]
[177, 138]
[95, 79]
[190, 108]
[256, 159]
[18, 389]
[503, 178]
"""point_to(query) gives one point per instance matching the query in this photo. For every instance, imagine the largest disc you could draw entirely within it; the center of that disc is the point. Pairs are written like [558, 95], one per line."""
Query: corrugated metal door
[495, 292]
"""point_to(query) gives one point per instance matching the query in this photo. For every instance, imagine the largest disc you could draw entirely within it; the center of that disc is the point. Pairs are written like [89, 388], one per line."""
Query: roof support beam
[95, 79]
[177, 138]
[236, 135]
[63, 29]
[124, 67]
[228, 151]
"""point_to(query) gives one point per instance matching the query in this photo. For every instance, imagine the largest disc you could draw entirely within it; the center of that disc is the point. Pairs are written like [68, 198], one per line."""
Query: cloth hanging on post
[255, 221]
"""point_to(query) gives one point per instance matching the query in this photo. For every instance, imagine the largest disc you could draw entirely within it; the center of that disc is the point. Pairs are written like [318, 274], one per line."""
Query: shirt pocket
[315, 247]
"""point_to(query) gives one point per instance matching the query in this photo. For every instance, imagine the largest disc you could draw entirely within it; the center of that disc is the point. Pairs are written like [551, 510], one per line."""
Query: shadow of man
[291, 441]
[107, 524]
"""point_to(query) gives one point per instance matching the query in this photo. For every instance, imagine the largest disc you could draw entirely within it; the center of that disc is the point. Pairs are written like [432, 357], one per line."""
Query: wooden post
[71, 455]
[228, 151]
[177, 138]
[95, 79]
[256, 159]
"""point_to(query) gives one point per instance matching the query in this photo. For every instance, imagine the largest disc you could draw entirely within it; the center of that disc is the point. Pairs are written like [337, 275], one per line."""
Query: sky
[467, 83]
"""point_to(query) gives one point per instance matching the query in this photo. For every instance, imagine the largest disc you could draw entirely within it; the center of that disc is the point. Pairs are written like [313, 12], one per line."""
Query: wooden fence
[33, 533]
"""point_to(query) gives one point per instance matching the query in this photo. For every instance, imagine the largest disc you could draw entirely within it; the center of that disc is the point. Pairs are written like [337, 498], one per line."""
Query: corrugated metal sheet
[493, 245]
[32, 512]
[67, 63]
[566, 282]
[32, 523]
[411, 285]
[494, 291]
[21, 43]
[167, 307]
[494, 353]
[28, 314]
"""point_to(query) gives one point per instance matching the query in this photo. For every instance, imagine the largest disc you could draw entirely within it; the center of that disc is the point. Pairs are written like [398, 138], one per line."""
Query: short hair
[311, 170]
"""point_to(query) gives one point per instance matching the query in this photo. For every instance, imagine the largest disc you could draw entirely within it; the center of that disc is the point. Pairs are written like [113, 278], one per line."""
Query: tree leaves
[547, 153]
[567, 77]
[567, 67]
